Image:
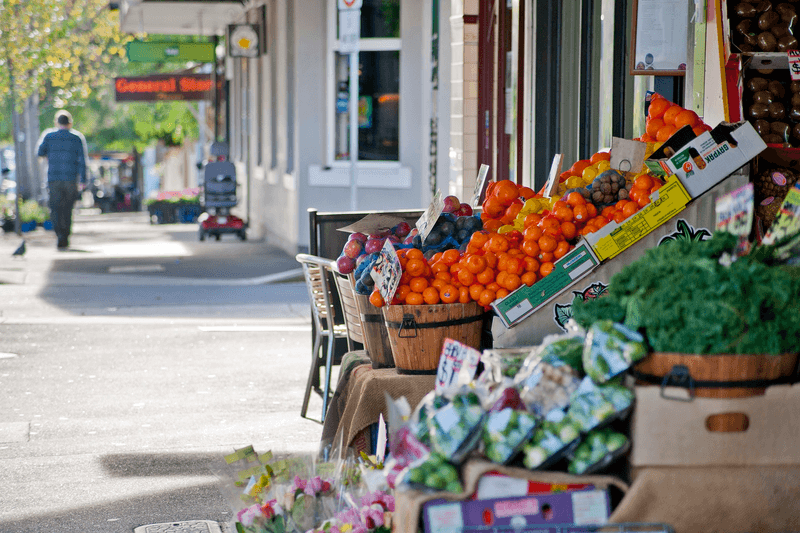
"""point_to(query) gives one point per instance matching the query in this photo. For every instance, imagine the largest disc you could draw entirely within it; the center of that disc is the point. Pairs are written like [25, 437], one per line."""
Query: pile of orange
[579, 167]
[504, 200]
[638, 197]
[664, 118]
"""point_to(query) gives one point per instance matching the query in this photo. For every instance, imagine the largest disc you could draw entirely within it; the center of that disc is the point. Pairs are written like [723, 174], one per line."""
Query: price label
[551, 187]
[387, 271]
[430, 216]
[457, 360]
[735, 211]
[787, 221]
[480, 186]
[794, 63]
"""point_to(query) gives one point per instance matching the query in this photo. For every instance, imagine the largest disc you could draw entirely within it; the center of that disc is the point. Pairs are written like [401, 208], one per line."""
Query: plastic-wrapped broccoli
[610, 349]
[505, 432]
[544, 387]
[566, 350]
[502, 364]
[552, 441]
[455, 427]
[419, 423]
[594, 406]
[434, 472]
[598, 451]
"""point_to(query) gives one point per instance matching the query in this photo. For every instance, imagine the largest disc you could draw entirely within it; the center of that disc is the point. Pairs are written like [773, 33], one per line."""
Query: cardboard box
[590, 507]
[709, 158]
[576, 264]
[664, 204]
[668, 432]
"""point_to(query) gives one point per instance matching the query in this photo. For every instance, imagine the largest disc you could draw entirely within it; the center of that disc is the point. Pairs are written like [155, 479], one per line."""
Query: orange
[657, 185]
[501, 293]
[515, 265]
[418, 284]
[699, 130]
[448, 294]
[630, 208]
[600, 221]
[645, 138]
[444, 276]
[528, 278]
[493, 286]
[450, 257]
[498, 243]
[531, 220]
[376, 299]
[671, 113]
[486, 298]
[438, 283]
[431, 296]
[665, 133]
[531, 264]
[561, 250]
[575, 198]
[511, 213]
[506, 191]
[564, 213]
[687, 117]
[547, 243]
[600, 156]
[493, 225]
[491, 260]
[501, 278]
[591, 210]
[531, 248]
[549, 222]
[493, 207]
[466, 277]
[619, 217]
[475, 291]
[657, 107]
[401, 292]
[635, 194]
[643, 182]
[485, 277]
[608, 211]
[463, 295]
[438, 267]
[653, 125]
[544, 257]
[512, 282]
[546, 268]
[580, 213]
[414, 253]
[475, 263]
[502, 261]
[415, 267]
[479, 238]
[564, 176]
[578, 167]
[643, 201]
[532, 233]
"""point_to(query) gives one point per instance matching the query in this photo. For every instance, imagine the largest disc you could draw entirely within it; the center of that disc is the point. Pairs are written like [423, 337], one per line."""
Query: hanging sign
[794, 63]
[163, 87]
[349, 30]
[243, 40]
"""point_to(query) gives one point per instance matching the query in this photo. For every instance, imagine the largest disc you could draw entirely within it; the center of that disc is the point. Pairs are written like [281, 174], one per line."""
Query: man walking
[67, 157]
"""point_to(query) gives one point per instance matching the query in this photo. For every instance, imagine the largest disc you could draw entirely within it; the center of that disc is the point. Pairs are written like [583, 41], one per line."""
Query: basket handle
[408, 323]
[678, 376]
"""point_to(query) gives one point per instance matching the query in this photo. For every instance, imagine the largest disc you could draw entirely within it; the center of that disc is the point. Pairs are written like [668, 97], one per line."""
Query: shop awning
[179, 17]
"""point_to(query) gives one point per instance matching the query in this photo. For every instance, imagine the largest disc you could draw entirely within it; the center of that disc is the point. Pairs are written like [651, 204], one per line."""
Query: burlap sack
[716, 499]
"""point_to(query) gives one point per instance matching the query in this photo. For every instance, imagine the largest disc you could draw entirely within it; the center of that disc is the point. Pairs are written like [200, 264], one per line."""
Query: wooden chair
[317, 275]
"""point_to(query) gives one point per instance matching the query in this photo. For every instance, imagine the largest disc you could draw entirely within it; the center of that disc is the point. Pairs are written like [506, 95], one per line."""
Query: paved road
[130, 364]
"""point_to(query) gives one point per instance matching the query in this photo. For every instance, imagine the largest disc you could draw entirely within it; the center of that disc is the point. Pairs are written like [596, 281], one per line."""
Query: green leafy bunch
[687, 297]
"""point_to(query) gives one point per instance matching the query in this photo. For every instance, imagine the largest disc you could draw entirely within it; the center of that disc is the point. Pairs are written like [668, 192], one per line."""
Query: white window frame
[381, 44]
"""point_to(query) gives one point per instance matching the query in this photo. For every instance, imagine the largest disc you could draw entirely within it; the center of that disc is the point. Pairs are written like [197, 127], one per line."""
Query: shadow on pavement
[158, 464]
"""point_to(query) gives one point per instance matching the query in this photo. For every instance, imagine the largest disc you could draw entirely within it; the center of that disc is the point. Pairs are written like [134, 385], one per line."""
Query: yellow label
[665, 203]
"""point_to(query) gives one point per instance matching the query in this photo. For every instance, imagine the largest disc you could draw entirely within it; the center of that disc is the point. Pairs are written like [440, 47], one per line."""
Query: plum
[402, 229]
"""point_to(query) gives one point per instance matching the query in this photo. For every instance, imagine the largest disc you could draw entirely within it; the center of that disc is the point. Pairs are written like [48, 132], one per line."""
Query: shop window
[378, 86]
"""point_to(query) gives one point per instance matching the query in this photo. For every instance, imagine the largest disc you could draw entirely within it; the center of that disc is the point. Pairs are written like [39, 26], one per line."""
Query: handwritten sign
[387, 271]
[457, 360]
[551, 186]
[430, 216]
[794, 63]
[480, 186]
[735, 211]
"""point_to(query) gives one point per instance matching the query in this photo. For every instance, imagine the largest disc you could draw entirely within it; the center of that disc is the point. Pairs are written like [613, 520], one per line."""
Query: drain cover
[189, 526]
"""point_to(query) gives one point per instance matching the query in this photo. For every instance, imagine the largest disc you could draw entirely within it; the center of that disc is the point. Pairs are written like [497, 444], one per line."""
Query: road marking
[6, 355]
[276, 329]
[127, 269]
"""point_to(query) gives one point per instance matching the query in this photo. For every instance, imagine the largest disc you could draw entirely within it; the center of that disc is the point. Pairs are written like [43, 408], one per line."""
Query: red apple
[353, 248]
[345, 264]
[358, 236]
[402, 229]
[451, 204]
[374, 245]
[465, 210]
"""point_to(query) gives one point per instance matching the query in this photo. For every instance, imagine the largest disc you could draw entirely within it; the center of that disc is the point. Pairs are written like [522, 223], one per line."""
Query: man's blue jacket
[66, 154]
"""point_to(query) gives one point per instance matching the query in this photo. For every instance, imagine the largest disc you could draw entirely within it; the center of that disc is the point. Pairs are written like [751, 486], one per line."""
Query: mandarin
[475, 291]
[376, 299]
[657, 107]
[431, 296]
[449, 294]
[486, 298]
[528, 278]
[546, 268]
[670, 114]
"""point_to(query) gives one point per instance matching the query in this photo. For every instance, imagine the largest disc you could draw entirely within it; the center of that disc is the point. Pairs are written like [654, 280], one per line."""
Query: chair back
[347, 297]
[315, 270]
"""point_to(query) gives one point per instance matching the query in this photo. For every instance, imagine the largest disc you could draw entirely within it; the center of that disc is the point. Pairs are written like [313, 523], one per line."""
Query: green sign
[154, 52]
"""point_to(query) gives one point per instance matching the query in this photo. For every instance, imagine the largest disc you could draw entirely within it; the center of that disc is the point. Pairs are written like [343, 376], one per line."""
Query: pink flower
[268, 509]
[372, 517]
[248, 515]
[299, 484]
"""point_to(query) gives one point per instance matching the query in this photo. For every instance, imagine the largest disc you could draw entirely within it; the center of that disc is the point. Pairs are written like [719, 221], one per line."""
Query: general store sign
[163, 87]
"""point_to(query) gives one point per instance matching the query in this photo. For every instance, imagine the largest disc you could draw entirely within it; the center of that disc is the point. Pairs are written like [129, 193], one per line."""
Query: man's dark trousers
[62, 197]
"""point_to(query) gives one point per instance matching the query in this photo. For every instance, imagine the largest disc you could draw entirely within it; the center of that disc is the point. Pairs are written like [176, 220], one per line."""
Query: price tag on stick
[480, 186]
[430, 216]
[794, 63]
[457, 359]
[387, 271]
[551, 187]
[735, 215]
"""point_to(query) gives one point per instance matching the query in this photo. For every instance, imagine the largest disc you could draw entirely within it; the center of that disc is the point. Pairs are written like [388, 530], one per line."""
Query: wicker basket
[417, 332]
[717, 376]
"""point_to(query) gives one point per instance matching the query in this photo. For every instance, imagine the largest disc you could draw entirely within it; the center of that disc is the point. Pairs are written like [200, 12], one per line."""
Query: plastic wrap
[611, 349]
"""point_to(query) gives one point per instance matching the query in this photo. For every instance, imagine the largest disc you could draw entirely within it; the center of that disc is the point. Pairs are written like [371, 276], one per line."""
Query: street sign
[154, 52]
[163, 87]
[349, 30]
